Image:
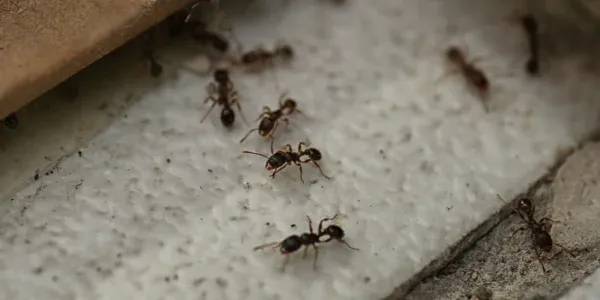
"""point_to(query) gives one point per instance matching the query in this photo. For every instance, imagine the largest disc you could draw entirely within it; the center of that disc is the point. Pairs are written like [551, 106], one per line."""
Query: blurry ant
[211, 38]
[148, 50]
[11, 121]
[472, 74]
[270, 119]
[257, 59]
[539, 229]
[294, 242]
[223, 92]
[286, 156]
[531, 29]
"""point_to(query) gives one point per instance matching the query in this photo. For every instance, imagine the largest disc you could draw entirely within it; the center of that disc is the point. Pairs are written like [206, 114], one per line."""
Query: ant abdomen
[544, 241]
[290, 244]
[227, 116]
[266, 126]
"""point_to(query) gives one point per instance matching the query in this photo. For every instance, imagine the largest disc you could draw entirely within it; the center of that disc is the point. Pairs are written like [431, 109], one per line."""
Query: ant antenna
[255, 153]
[501, 199]
[248, 134]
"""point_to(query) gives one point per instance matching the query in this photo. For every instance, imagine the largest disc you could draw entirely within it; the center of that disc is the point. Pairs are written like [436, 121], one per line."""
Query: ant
[531, 29]
[473, 74]
[294, 242]
[286, 156]
[256, 59]
[270, 119]
[148, 51]
[11, 121]
[213, 39]
[539, 229]
[223, 92]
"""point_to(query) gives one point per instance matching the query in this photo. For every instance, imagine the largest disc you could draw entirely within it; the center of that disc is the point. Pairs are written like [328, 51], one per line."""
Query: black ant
[472, 74]
[256, 59]
[294, 242]
[223, 92]
[11, 121]
[211, 38]
[531, 29]
[270, 119]
[149, 49]
[540, 230]
[286, 156]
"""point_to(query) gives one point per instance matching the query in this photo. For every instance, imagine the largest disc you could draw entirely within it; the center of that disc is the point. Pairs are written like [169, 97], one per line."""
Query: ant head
[334, 231]
[221, 75]
[227, 116]
[290, 244]
[454, 54]
[11, 121]
[290, 104]
[525, 205]
[286, 51]
[314, 154]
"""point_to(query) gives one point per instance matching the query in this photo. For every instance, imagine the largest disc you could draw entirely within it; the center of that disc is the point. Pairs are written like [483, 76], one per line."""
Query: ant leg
[281, 97]
[285, 262]
[347, 245]
[305, 252]
[566, 250]
[239, 107]
[211, 89]
[287, 123]
[310, 224]
[288, 147]
[515, 232]
[537, 253]
[272, 141]
[325, 220]
[300, 146]
[248, 134]
[265, 111]
[318, 166]
[316, 256]
[208, 112]
[276, 171]
[300, 168]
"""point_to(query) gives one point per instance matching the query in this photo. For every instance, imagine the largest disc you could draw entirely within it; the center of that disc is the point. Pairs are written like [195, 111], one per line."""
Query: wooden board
[44, 42]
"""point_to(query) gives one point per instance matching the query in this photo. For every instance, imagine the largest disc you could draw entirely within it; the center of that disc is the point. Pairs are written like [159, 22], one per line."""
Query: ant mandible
[286, 156]
[270, 119]
[539, 229]
[294, 242]
[223, 92]
[472, 74]
[257, 59]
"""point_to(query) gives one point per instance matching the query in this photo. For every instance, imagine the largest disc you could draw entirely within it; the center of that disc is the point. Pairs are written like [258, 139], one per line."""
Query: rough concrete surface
[159, 206]
[508, 268]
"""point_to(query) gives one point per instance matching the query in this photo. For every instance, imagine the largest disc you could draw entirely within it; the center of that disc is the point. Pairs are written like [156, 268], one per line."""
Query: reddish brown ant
[270, 119]
[286, 156]
[472, 74]
[531, 29]
[294, 242]
[257, 59]
[223, 92]
[540, 230]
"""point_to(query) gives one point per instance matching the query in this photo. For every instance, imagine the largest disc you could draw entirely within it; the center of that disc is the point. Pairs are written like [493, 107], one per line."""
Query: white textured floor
[416, 164]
